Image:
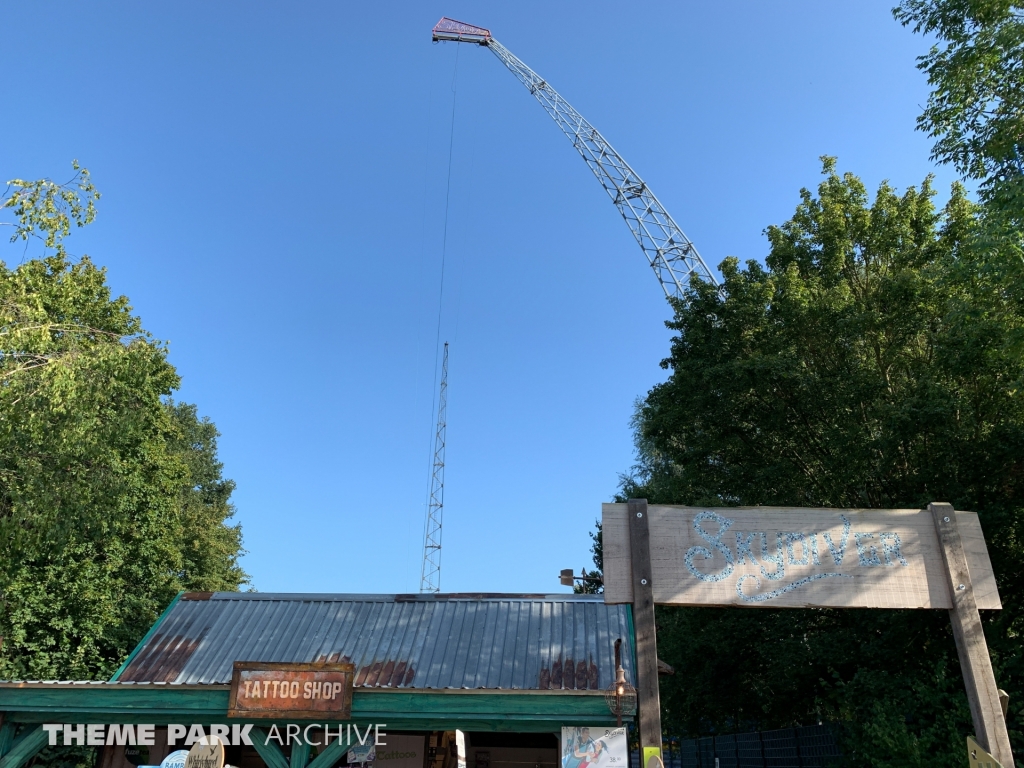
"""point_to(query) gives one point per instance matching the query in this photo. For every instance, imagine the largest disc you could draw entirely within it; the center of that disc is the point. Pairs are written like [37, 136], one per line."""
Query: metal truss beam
[670, 253]
[430, 574]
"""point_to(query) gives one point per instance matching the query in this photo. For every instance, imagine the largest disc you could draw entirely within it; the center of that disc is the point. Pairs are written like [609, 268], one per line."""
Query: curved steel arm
[671, 254]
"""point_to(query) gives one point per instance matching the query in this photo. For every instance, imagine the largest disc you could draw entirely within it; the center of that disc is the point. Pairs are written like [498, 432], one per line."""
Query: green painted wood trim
[144, 640]
[113, 699]
[331, 754]
[25, 748]
[300, 754]
[6, 737]
[158, 702]
[270, 752]
[400, 710]
[424, 723]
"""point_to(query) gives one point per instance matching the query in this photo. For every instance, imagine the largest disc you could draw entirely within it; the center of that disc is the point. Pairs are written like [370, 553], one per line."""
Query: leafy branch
[45, 210]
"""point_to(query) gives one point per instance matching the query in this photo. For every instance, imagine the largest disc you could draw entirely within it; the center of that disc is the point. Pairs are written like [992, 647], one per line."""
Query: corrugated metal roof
[526, 642]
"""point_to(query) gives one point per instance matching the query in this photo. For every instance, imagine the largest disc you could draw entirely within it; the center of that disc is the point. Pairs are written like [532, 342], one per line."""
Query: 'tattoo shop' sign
[276, 690]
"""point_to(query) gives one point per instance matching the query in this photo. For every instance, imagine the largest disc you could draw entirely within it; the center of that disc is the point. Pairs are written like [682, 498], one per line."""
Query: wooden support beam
[330, 754]
[25, 748]
[6, 734]
[982, 692]
[648, 699]
[268, 750]
[300, 753]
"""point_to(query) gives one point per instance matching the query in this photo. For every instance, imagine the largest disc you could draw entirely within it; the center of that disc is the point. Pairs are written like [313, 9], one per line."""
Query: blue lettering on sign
[776, 592]
[891, 548]
[865, 552]
[837, 554]
[714, 540]
[743, 549]
[795, 548]
[780, 563]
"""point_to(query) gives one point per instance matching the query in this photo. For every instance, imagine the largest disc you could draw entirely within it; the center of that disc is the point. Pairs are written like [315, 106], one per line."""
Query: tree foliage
[975, 113]
[868, 363]
[976, 107]
[111, 495]
[45, 210]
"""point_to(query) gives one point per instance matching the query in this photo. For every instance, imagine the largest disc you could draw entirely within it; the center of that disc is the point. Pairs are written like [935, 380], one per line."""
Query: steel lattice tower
[430, 575]
[670, 253]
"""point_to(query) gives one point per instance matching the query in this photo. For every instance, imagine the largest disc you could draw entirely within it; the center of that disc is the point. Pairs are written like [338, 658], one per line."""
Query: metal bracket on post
[648, 699]
[980, 681]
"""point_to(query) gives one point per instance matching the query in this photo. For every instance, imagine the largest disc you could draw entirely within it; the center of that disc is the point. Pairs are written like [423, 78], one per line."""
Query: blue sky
[274, 180]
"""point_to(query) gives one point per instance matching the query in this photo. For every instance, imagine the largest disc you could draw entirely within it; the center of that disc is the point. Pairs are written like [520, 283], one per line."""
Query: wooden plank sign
[289, 690]
[785, 557]
[208, 752]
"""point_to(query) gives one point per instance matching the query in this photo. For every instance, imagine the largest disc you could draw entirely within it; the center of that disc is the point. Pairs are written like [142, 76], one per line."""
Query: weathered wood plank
[793, 558]
[25, 748]
[980, 681]
[648, 699]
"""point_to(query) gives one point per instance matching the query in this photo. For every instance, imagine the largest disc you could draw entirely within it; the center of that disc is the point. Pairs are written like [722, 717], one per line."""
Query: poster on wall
[360, 754]
[594, 747]
[401, 752]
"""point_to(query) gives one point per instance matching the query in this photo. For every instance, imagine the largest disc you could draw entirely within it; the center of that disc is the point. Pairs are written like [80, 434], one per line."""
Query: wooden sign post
[802, 558]
[648, 699]
[982, 692]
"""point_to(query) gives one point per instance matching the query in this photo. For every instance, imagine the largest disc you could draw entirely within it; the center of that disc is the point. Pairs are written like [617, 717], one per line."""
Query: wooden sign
[784, 557]
[286, 690]
[208, 752]
[803, 558]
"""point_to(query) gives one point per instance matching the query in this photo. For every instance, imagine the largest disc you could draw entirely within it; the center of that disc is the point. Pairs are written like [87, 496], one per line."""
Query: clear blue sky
[273, 179]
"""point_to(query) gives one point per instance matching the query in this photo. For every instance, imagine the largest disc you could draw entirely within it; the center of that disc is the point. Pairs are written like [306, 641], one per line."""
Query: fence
[812, 746]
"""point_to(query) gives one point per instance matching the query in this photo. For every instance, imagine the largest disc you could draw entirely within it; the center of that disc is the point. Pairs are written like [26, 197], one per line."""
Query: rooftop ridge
[343, 597]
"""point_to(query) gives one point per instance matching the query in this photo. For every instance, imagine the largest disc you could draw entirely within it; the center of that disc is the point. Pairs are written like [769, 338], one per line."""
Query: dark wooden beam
[648, 699]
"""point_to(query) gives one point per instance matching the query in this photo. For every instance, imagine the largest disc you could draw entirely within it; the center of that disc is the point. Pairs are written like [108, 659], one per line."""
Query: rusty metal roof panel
[524, 642]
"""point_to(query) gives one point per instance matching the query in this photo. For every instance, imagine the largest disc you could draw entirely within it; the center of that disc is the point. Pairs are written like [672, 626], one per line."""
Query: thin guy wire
[440, 306]
[440, 297]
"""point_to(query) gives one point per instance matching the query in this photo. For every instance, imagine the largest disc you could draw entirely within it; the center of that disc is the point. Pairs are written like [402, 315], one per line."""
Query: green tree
[210, 561]
[868, 363]
[975, 113]
[976, 107]
[111, 496]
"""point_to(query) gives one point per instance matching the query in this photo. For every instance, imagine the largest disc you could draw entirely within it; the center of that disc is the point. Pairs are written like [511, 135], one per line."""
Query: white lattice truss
[671, 254]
